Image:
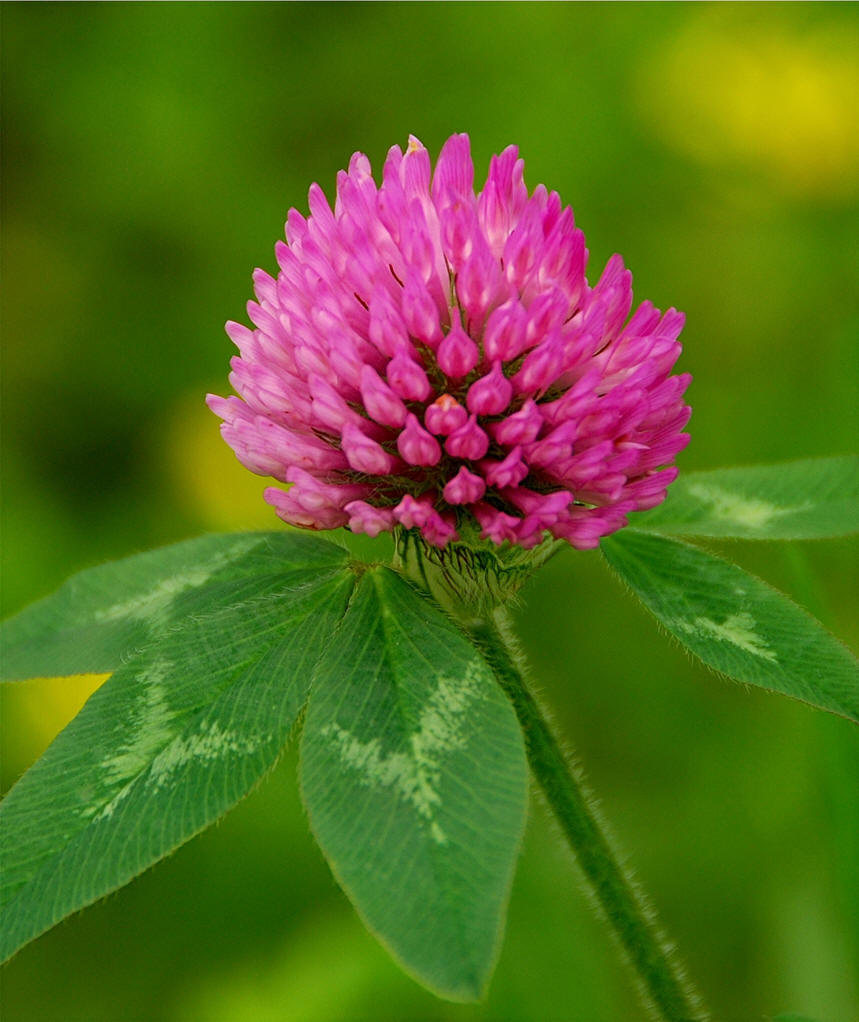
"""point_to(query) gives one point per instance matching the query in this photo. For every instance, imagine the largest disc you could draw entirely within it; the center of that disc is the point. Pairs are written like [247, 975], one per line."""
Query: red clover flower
[427, 354]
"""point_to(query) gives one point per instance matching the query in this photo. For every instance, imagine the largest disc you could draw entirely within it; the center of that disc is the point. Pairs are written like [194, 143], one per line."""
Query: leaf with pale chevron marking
[176, 736]
[104, 614]
[414, 775]
[736, 623]
[810, 499]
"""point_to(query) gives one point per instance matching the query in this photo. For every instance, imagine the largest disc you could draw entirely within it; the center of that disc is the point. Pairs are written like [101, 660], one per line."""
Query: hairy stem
[662, 982]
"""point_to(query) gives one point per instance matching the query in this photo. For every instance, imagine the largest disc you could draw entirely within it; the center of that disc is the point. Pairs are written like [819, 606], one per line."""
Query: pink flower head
[427, 354]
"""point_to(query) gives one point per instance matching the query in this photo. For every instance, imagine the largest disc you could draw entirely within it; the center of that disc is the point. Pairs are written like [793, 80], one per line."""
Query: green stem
[661, 979]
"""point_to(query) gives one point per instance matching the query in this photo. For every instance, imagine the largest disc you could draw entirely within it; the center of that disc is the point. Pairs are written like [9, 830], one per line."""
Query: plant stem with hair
[661, 979]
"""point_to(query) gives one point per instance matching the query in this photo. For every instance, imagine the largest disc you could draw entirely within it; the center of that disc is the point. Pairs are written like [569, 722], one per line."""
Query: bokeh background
[151, 154]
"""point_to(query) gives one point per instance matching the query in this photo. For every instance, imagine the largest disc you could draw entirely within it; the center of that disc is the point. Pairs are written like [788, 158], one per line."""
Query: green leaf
[100, 616]
[414, 775]
[809, 499]
[736, 623]
[171, 741]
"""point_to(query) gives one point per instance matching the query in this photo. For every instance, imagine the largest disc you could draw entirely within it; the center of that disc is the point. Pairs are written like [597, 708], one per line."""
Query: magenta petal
[509, 472]
[386, 328]
[479, 285]
[364, 454]
[468, 442]
[464, 488]
[329, 407]
[503, 197]
[445, 415]
[541, 367]
[438, 529]
[311, 492]
[505, 334]
[453, 179]
[553, 448]
[287, 507]
[521, 427]
[363, 517]
[491, 394]
[547, 505]
[457, 354]
[420, 311]
[381, 402]
[416, 445]
[414, 512]
[496, 525]
[407, 378]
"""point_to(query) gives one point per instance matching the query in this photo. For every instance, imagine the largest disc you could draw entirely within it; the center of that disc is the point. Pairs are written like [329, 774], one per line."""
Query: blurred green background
[151, 154]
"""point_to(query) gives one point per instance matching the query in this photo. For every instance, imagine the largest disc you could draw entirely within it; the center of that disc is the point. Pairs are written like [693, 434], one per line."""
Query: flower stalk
[662, 981]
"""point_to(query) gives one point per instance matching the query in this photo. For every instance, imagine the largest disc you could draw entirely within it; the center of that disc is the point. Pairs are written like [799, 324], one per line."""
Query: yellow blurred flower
[735, 88]
[208, 478]
[34, 713]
